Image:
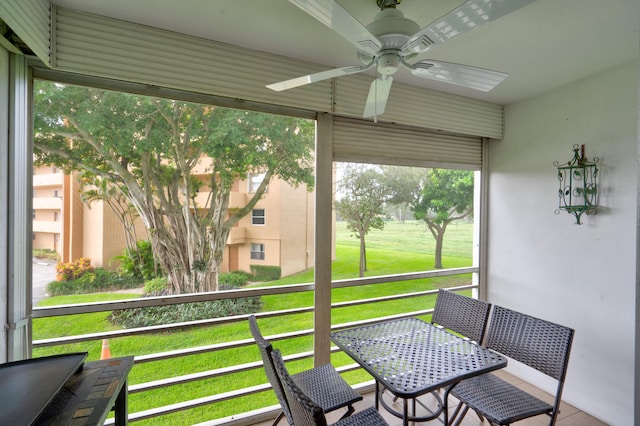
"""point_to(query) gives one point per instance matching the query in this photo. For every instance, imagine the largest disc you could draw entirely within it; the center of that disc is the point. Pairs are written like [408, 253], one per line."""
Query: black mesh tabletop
[411, 357]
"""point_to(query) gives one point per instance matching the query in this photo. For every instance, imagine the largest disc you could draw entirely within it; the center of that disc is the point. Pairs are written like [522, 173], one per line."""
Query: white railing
[237, 418]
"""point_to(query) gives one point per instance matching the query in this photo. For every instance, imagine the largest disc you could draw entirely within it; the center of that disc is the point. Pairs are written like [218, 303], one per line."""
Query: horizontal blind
[356, 140]
[30, 20]
[99, 46]
[111, 48]
[417, 106]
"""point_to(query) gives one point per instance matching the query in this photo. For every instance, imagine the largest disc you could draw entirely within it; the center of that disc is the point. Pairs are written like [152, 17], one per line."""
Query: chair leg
[280, 416]
[458, 416]
[349, 412]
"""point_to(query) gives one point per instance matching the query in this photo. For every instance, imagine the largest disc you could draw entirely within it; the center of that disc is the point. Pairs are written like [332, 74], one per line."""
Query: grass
[400, 247]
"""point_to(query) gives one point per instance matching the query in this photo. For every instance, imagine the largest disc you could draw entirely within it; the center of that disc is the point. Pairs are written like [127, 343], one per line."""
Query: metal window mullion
[18, 325]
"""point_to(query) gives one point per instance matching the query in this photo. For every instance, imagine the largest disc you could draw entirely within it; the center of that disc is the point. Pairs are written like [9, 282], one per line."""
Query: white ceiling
[542, 46]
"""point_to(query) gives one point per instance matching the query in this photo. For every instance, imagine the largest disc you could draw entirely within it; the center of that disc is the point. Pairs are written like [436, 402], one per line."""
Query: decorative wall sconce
[578, 192]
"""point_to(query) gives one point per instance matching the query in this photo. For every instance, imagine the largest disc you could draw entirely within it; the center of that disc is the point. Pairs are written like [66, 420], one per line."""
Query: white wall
[544, 264]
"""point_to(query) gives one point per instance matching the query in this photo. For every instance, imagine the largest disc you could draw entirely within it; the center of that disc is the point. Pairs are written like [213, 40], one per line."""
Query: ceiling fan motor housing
[392, 28]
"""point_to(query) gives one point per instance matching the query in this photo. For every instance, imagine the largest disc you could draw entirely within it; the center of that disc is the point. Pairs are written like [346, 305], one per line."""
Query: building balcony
[237, 235]
[47, 226]
[47, 203]
[237, 199]
[48, 180]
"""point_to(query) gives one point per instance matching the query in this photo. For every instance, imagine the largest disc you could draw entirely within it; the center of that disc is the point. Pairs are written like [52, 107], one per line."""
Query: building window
[254, 181]
[257, 217]
[257, 251]
[55, 216]
[55, 193]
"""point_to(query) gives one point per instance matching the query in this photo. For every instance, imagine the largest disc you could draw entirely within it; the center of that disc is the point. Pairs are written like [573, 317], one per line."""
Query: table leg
[445, 404]
[377, 396]
[120, 407]
[405, 417]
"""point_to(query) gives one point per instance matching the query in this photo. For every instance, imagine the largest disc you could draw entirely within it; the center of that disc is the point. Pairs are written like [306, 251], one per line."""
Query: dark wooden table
[410, 357]
[89, 395]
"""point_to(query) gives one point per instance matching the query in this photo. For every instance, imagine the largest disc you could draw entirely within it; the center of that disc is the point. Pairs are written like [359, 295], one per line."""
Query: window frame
[255, 217]
[253, 182]
[260, 253]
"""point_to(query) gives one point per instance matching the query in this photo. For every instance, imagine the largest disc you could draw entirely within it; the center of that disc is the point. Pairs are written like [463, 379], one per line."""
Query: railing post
[323, 238]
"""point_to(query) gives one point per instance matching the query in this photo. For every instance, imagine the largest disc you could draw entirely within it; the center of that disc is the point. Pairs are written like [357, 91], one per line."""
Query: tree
[404, 183]
[160, 154]
[446, 196]
[364, 192]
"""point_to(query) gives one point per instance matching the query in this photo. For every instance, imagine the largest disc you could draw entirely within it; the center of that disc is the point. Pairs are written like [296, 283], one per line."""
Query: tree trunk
[439, 241]
[363, 256]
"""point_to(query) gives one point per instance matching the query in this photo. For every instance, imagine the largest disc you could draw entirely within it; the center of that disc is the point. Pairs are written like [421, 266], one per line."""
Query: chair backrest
[461, 314]
[266, 351]
[304, 411]
[540, 344]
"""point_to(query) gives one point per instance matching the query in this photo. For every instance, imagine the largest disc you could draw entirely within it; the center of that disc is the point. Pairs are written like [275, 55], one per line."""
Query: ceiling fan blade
[319, 76]
[462, 75]
[466, 17]
[339, 20]
[378, 95]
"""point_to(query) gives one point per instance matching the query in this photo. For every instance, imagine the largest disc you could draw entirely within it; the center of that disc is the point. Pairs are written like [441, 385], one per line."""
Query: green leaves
[446, 195]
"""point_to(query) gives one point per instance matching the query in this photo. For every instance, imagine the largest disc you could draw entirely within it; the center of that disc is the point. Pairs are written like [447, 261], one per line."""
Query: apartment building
[48, 183]
[278, 232]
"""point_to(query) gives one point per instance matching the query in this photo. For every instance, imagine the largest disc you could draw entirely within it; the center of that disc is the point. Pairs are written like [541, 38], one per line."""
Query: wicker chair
[323, 384]
[461, 314]
[305, 412]
[540, 344]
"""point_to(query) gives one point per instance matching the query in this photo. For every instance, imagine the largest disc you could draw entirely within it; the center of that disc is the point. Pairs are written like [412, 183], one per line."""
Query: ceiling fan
[392, 41]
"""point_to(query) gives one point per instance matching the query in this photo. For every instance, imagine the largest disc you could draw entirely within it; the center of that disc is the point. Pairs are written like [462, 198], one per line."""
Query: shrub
[158, 315]
[138, 262]
[231, 280]
[46, 254]
[156, 287]
[73, 270]
[91, 282]
[266, 273]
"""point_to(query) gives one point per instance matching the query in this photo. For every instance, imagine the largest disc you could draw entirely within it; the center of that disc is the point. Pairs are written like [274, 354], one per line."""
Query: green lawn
[400, 247]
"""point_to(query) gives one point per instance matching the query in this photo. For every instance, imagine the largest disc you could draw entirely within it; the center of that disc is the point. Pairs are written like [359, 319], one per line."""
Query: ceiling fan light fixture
[388, 63]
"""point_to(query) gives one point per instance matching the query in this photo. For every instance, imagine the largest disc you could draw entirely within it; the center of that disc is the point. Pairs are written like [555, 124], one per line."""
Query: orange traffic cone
[106, 352]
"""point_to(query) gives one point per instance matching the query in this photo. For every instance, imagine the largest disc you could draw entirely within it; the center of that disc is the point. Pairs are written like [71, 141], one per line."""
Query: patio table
[410, 357]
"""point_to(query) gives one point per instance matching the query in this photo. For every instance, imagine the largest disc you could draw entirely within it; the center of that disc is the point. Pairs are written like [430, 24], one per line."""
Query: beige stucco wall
[288, 230]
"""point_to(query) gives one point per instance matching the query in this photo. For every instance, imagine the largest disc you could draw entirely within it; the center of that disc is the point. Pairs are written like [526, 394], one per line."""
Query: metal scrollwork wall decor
[578, 178]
